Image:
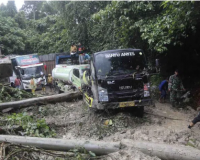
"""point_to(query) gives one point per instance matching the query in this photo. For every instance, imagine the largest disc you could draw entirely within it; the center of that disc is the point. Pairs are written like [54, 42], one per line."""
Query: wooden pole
[98, 147]
[40, 100]
[164, 151]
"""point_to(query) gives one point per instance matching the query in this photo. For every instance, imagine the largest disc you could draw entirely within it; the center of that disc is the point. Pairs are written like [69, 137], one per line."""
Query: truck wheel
[140, 111]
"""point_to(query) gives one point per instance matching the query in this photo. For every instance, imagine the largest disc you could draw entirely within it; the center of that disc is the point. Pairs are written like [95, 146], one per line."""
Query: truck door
[76, 81]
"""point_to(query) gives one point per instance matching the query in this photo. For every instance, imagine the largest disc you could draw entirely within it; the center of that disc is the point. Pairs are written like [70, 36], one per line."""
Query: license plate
[127, 104]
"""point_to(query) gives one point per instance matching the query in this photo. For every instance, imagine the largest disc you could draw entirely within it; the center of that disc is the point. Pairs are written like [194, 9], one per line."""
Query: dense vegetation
[168, 30]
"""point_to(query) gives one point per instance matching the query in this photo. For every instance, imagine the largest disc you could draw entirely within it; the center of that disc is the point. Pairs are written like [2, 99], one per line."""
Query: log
[99, 148]
[40, 100]
[164, 151]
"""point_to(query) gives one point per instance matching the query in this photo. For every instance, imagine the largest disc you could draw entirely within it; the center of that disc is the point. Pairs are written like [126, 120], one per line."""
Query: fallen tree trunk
[40, 100]
[164, 151]
[100, 148]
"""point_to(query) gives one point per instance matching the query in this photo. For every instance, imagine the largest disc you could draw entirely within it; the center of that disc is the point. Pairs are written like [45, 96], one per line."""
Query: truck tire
[140, 111]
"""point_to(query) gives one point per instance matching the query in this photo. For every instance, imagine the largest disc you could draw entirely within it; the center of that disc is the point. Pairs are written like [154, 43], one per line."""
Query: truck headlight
[103, 94]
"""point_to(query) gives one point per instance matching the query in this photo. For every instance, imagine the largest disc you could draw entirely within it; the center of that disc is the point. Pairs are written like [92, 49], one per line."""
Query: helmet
[49, 74]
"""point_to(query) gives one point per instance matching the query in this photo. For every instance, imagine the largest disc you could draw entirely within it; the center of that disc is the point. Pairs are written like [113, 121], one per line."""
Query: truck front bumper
[134, 103]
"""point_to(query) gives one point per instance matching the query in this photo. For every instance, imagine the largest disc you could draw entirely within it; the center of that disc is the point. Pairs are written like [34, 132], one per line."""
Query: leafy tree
[171, 26]
[77, 19]
[20, 18]
[11, 36]
[9, 9]
[32, 9]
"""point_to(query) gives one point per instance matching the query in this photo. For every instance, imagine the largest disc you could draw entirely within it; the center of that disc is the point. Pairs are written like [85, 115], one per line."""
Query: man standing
[50, 81]
[80, 52]
[17, 82]
[42, 82]
[175, 86]
[33, 85]
[73, 51]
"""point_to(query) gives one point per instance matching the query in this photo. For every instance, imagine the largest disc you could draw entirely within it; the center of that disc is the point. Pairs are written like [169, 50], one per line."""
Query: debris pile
[26, 125]
[8, 93]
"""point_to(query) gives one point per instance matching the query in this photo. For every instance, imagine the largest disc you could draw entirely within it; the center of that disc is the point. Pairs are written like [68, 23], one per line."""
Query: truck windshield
[27, 73]
[115, 64]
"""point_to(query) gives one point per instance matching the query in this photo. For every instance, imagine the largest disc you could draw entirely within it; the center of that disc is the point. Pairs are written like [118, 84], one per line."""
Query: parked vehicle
[67, 78]
[5, 69]
[26, 67]
[54, 60]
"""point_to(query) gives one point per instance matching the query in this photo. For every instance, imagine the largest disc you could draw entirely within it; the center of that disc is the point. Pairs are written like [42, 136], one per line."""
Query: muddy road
[161, 123]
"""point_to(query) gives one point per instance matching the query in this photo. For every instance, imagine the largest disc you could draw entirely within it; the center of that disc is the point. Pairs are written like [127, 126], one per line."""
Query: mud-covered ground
[161, 123]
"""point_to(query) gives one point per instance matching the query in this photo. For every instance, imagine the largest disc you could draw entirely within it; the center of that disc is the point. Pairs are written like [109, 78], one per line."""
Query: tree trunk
[40, 100]
[99, 148]
[164, 151]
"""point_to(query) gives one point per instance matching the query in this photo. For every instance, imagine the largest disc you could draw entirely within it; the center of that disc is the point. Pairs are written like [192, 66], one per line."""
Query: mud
[160, 123]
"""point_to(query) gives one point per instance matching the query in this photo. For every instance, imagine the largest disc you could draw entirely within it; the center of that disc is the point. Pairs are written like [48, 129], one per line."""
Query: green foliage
[32, 127]
[47, 35]
[170, 26]
[21, 19]
[12, 94]
[11, 36]
[9, 10]
[50, 27]
[155, 80]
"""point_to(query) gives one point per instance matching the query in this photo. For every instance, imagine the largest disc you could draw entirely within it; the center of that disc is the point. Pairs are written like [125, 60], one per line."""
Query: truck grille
[119, 96]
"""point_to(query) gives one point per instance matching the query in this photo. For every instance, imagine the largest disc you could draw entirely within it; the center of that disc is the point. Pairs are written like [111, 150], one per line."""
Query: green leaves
[51, 26]
[11, 36]
[32, 127]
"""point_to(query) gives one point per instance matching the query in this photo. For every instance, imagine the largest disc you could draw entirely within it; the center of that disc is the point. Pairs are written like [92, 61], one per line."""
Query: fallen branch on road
[41, 100]
[164, 151]
[161, 150]
[98, 147]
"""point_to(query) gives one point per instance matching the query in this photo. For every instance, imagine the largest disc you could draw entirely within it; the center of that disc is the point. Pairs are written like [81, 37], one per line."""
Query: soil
[161, 123]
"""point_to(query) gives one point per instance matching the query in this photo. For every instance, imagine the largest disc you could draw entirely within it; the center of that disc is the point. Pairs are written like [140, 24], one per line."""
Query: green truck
[67, 78]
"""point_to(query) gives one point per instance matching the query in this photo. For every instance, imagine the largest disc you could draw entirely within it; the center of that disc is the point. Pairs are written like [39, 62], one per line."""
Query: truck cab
[117, 79]
[26, 67]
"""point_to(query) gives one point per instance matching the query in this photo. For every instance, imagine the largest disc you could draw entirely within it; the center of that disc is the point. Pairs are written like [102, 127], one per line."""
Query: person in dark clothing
[163, 90]
[174, 87]
[80, 50]
[195, 120]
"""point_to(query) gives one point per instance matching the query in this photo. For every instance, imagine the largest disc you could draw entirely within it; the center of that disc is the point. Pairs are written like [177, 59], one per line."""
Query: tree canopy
[51, 26]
